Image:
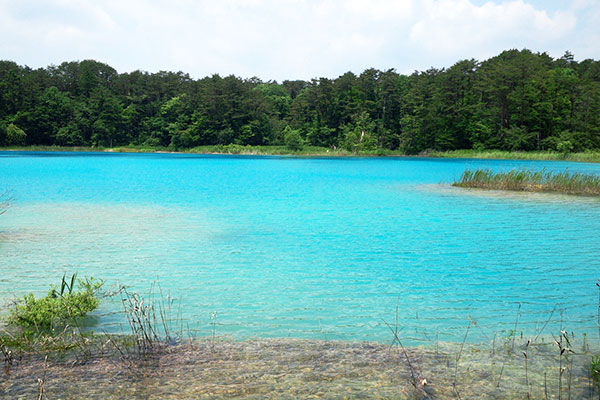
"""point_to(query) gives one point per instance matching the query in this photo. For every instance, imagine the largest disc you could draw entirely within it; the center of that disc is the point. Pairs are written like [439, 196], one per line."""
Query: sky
[290, 39]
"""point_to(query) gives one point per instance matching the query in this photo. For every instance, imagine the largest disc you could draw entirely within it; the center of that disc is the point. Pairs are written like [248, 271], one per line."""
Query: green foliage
[15, 135]
[74, 299]
[564, 147]
[292, 139]
[595, 370]
[359, 134]
[2, 133]
[515, 101]
[518, 139]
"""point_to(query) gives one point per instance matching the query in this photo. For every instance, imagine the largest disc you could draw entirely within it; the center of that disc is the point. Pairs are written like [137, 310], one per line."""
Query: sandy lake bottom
[289, 368]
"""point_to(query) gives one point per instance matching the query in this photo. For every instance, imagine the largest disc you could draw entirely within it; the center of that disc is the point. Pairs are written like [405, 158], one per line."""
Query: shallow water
[292, 369]
[310, 248]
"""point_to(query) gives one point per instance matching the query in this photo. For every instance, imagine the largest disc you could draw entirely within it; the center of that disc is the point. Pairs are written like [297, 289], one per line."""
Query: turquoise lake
[320, 248]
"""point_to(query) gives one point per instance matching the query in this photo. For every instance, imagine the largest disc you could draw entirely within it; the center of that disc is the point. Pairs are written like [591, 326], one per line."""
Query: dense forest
[518, 100]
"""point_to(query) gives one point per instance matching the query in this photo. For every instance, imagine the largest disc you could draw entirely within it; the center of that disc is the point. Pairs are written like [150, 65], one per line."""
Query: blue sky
[290, 39]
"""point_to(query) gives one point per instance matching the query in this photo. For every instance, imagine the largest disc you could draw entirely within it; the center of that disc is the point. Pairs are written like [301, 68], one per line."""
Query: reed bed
[566, 182]
[587, 156]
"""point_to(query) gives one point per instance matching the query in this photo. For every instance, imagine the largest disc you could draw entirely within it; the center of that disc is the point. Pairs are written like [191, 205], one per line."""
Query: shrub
[564, 147]
[292, 139]
[15, 135]
[58, 308]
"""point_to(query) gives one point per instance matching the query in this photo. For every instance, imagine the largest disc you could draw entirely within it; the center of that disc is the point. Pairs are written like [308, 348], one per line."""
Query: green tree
[15, 136]
[517, 138]
[422, 115]
[106, 112]
[2, 133]
[517, 100]
[359, 135]
[11, 88]
[292, 139]
[392, 89]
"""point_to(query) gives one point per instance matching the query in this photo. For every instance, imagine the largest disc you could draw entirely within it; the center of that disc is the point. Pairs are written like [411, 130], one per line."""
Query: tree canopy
[517, 100]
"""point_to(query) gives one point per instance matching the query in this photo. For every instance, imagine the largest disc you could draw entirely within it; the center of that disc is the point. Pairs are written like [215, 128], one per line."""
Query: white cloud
[279, 39]
[583, 4]
[452, 26]
[381, 9]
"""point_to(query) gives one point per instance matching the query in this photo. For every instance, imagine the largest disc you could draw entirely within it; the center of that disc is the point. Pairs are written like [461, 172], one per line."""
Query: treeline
[518, 100]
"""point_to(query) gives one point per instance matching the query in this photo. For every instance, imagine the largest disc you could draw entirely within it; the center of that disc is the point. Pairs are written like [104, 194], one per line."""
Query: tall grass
[574, 183]
[151, 321]
[592, 156]
[587, 156]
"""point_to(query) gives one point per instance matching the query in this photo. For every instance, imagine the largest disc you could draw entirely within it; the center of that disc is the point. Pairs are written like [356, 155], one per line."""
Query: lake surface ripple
[311, 248]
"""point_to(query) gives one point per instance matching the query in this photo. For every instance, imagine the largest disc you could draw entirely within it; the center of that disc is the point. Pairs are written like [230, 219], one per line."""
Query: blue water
[305, 247]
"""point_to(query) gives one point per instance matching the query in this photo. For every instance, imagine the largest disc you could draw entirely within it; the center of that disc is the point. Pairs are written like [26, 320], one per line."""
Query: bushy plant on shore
[58, 308]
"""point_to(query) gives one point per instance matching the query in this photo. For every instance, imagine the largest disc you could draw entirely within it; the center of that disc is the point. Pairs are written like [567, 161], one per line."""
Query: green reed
[587, 156]
[574, 183]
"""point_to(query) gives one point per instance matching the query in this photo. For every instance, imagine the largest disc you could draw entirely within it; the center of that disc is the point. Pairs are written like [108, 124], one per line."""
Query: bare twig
[213, 317]
[417, 380]
[526, 371]
[5, 201]
[458, 358]
[546, 323]
[42, 381]
[500, 375]
[115, 345]
[516, 323]
[598, 285]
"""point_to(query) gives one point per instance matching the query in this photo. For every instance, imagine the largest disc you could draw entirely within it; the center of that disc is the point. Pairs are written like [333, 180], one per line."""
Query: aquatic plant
[150, 322]
[60, 307]
[52, 325]
[533, 181]
[595, 370]
[587, 156]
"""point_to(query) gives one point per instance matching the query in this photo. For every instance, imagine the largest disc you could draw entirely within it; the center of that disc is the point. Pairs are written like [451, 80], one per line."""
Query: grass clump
[587, 156]
[53, 325]
[58, 308]
[532, 181]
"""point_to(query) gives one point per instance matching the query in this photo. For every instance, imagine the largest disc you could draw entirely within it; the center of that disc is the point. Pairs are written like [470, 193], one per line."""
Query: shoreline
[295, 368]
[585, 157]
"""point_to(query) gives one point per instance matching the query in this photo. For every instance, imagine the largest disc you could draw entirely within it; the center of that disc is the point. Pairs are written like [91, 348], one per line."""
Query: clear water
[308, 248]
